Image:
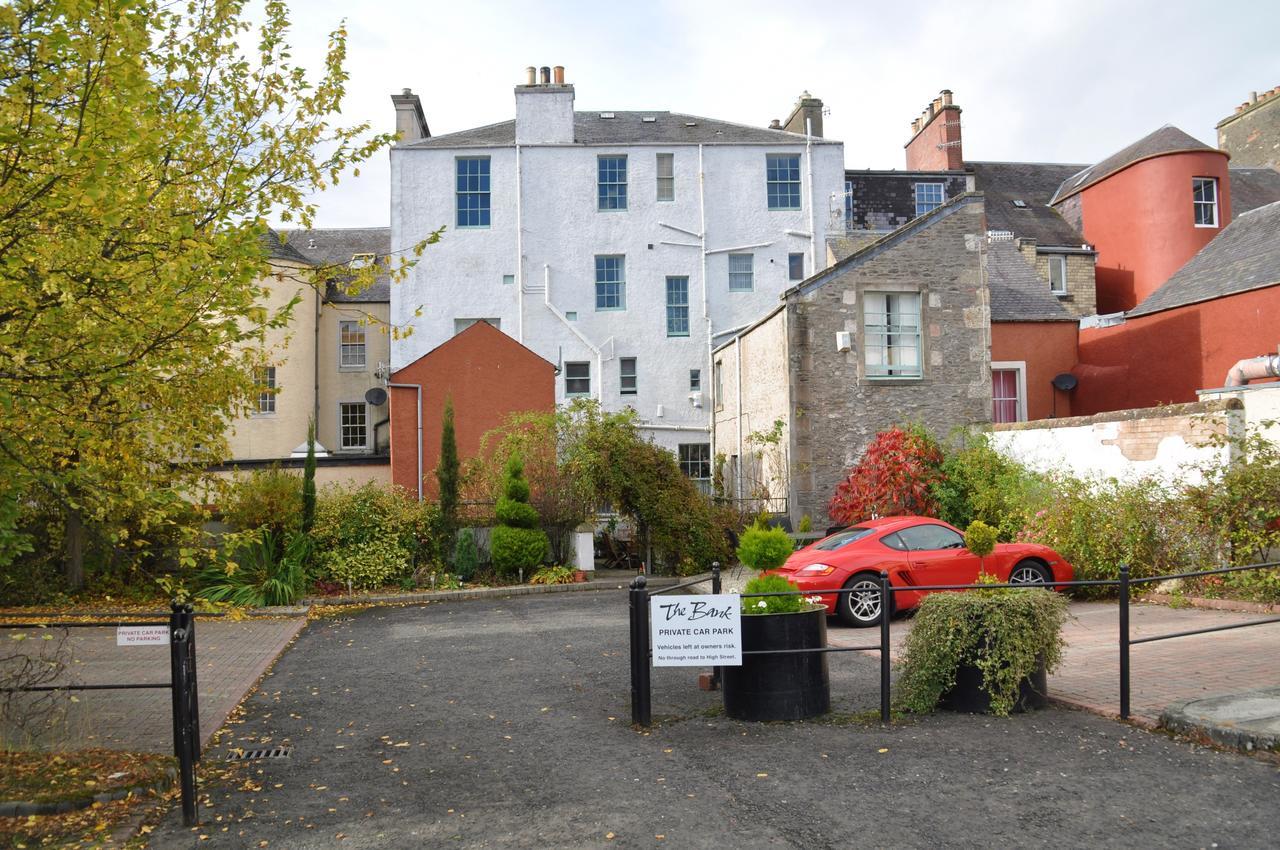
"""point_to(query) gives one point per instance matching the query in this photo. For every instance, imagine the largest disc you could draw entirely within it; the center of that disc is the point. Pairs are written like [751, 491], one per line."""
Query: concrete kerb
[1248, 721]
[480, 592]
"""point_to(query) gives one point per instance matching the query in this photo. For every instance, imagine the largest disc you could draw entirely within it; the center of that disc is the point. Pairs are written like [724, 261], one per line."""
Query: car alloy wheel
[860, 602]
[1028, 572]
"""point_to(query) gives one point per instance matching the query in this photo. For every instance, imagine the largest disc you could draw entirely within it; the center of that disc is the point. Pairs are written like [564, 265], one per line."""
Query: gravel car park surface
[505, 723]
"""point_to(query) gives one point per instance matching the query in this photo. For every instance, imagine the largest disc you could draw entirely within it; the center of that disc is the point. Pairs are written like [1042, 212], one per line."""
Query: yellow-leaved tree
[144, 145]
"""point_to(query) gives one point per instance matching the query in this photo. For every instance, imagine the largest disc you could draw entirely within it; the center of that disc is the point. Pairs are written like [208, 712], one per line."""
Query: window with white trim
[265, 377]
[891, 325]
[611, 183]
[666, 176]
[741, 272]
[695, 460]
[353, 425]
[1204, 197]
[577, 378]
[460, 325]
[351, 345]
[695, 380]
[677, 306]
[627, 375]
[717, 378]
[1058, 274]
[1008, 391]
[782, 180]
[611, 283]
[929, 196]
[473, 191]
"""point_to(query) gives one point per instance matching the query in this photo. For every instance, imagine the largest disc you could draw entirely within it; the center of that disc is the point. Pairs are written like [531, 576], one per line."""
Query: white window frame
[1211, 205]
[717, 383]
[611, 194]
[352, 363]
[1061, 261]
[608, 294]
[929, 202]
[782, 192]
[343, 445]
[1019, 366]
[586, 364]
[461, 323]
[689, 465]
[631, 386]
[266, 377]
[695, 380]
[677, 313]
[882, 337]
[749, 275]
[665, 188]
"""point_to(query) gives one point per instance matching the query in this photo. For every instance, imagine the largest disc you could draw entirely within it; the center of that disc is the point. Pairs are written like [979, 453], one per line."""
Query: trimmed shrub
[764, 548]
[517, 542]
[371, 536]
[771, 604]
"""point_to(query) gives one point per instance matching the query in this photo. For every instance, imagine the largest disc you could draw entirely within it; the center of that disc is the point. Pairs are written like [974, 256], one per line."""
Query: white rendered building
[618, 245]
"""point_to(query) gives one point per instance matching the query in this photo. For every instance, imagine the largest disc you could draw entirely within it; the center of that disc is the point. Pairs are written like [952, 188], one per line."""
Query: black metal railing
[641, 654]
[182, 685]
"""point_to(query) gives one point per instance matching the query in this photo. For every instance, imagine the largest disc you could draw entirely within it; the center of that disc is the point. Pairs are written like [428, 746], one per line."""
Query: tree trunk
[73, 537]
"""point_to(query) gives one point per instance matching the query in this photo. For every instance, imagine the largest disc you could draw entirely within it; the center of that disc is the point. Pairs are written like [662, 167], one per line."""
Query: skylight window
[649, 119]
[607, 115]
[1019, 203]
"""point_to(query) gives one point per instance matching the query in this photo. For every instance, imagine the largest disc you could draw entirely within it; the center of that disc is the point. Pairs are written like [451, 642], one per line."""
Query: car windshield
[842, 538]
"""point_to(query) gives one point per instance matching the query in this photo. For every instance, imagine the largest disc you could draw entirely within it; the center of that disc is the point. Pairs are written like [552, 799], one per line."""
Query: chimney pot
[1253, 97]
[407, 91]
[946, 97]
[775, 124]
[546, 75]
[531, 76]
[936, 106]
[557, 74]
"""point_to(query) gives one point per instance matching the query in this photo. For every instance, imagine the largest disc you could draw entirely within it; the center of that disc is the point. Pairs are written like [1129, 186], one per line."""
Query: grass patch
[37, 777]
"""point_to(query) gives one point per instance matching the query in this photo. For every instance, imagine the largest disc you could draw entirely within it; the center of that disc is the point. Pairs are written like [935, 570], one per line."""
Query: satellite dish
[376, 396]
[1066, 381]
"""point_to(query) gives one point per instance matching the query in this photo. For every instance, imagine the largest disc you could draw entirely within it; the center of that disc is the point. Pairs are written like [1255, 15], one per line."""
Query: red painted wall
[1142, 222]
[1048, 349]
[1165, 357]
[937, 146]
[487, 374]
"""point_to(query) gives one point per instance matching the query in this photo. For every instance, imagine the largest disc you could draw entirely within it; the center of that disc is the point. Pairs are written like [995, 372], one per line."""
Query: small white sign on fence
[703, 630]
[142, 636]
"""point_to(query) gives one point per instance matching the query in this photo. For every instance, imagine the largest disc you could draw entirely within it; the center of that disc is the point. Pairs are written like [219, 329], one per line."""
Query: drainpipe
[546, 299]
[813, 222]
[737, 476]
[709, 372]
[1266, 366]
[519, 253]
[417, 387]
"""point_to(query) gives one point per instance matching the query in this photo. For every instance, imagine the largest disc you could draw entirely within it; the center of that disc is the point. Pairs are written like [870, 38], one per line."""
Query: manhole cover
[241, 754]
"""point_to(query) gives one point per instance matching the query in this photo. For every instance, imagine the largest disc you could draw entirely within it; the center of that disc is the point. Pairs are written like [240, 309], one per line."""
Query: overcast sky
[1038, 81]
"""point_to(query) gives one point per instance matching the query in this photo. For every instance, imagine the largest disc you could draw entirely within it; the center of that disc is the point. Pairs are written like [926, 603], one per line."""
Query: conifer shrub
[518, 543]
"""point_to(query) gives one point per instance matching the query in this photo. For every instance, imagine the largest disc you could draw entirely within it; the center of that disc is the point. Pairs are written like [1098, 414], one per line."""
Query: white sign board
[142, 636]
[703, 630]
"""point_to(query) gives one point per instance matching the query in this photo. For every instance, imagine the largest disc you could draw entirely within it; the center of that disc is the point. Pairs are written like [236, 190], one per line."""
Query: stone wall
[837, 409]
[1081, 298]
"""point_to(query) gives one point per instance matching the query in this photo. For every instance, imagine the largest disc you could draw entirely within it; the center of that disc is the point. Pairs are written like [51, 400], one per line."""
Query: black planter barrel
[780, 687]
[969, 696]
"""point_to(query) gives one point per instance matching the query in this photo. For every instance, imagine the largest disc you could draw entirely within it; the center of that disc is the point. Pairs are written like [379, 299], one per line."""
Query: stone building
[897, 332]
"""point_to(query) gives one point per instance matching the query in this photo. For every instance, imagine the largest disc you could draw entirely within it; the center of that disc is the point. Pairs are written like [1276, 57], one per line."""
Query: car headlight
[816, 570]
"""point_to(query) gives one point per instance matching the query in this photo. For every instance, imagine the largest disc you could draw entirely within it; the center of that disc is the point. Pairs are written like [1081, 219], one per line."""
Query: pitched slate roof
[1033, 183]
[1244, 256]
[1018, 294]
[278, 249]
[1168, 139]
[628, 128]
[336, 247]
[1252, 188]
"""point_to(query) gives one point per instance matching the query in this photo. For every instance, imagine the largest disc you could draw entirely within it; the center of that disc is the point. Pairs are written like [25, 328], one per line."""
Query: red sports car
[916, 551]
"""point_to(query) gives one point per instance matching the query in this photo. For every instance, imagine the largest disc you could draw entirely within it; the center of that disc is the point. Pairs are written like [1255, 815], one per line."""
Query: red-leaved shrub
[893, 478]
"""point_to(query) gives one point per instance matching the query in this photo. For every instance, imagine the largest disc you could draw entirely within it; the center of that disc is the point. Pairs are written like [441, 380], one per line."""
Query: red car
[917, 551]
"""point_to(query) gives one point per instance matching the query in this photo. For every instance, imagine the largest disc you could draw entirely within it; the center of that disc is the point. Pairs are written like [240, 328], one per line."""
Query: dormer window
[359, 261]
[1058, 274]
[1204, 199]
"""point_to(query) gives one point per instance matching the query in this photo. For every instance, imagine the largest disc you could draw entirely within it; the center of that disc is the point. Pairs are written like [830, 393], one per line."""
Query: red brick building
[487, 375]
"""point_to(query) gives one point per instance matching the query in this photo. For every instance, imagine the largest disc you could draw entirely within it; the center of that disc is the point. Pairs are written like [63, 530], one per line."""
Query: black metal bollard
[886, 606]
[638, 601]
[183, 745]
[715, 588]
[194, 688]
[177, 620]
[1124, 641]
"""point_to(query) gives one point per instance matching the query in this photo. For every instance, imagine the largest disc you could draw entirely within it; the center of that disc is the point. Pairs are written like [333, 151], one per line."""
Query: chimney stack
[411, 123]
[935, 137]
[806, 116]
[544, 108]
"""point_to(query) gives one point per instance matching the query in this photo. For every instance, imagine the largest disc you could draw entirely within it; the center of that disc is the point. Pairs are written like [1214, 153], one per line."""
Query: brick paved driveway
[1161, 673]
[231, 656]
